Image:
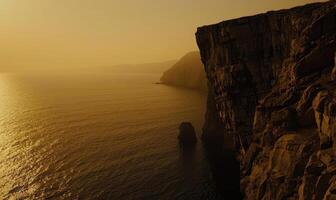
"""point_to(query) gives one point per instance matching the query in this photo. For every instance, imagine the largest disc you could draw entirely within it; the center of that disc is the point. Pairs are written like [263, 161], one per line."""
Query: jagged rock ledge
[272, 91]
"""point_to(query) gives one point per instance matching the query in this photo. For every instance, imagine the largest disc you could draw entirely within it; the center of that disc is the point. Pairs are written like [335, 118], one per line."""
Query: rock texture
[187, 72]
[187, 136]
[272, 80]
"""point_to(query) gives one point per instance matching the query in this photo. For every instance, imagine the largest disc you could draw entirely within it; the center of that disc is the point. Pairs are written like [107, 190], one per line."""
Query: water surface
[98, 136]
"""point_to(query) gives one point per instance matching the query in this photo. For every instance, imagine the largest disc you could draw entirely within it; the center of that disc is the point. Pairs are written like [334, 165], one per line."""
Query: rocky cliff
[187, 72]
[273, 90]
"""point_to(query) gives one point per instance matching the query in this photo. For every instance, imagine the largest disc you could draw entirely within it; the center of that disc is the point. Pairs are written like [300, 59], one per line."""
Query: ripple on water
[66, 140]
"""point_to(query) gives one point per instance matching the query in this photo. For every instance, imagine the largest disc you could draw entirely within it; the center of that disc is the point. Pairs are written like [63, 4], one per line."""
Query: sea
[99, 136]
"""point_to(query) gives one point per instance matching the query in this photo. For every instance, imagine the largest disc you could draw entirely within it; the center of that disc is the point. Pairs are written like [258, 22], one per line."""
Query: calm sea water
[96, 136]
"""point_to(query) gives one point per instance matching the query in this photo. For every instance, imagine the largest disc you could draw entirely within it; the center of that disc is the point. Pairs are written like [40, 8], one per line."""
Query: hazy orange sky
[82, 33]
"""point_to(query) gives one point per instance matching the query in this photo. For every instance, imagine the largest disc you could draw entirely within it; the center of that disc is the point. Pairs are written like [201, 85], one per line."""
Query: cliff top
[274, 12]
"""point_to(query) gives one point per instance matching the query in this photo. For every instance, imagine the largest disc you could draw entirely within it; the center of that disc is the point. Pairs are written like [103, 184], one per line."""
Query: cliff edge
[272, 80]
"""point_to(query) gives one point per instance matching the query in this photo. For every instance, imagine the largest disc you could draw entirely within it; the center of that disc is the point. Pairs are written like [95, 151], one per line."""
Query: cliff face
[187, 72]
[274, 92]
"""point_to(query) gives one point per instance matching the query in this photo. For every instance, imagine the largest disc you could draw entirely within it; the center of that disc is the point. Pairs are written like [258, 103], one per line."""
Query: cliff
[272, 91]
[187, 72]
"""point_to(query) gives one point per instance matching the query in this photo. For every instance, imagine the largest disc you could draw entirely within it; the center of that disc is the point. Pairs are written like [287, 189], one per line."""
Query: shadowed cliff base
[273, 85]
[225, 169]
[221, 152]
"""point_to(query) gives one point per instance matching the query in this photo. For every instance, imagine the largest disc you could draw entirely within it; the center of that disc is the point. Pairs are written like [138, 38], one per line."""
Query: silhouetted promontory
[188, 72]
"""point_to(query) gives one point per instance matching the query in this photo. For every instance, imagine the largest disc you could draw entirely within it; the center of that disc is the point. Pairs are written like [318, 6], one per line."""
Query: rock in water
[187, 136]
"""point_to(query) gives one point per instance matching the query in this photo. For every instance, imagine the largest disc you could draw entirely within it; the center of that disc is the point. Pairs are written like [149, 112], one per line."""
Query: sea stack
[187, 136]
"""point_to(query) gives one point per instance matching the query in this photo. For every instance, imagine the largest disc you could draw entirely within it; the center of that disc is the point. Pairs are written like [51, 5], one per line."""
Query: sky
[90, 33]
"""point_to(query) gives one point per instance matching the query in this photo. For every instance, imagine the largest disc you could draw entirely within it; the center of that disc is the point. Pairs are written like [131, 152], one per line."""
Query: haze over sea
[98, 136]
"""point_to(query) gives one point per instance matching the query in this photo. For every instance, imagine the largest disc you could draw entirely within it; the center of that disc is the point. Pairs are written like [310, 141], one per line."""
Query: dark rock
[333, 73]
[273, 89]
[315, 166]
[187, 136]
[326, 156]
[249, 158]
[307, 98]
[213, 136]
[323, 184]
[324, 106]
[331, 192]
[285, 119]
[312, 173]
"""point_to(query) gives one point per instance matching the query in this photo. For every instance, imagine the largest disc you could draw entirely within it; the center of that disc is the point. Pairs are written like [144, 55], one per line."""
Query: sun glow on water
[96, 136]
